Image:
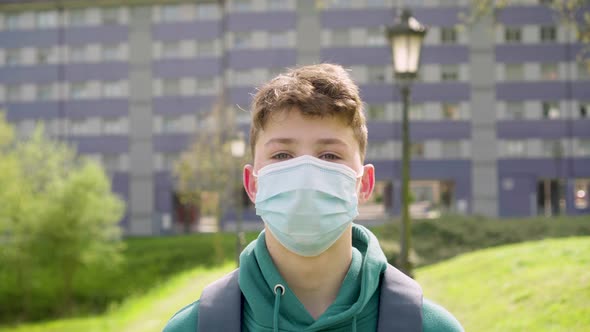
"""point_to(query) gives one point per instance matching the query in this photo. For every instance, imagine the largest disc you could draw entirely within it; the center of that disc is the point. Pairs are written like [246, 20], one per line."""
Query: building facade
[499, 114]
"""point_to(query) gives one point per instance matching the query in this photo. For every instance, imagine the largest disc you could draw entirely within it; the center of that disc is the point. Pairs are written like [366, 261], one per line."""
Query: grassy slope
[535, 286]
[146, 313]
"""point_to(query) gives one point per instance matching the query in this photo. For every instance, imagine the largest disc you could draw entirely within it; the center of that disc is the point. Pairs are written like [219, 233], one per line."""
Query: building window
[110, 52]
[206, 83]
[552, 149]
[242, 39]
[584, 109]
[448, 35]
[451, 149]
[375, 74]
[112, 89]
[340, 37]
[171, 87]
[550, 110]
[584, 69]
[242, 5]
[206, 48]
[449, 73]
[46, 20]
[582, 193]
[169, 160]
[80, 127]
[45, 92]
[279, 39]
[512, 35]
[113, 162]
[171, 124]
[78, 54]
[169, 13]
[12, 56]
[515, 110]
[274, 72]
[514, 72]
[380, 150]
[79, 90]
[416, 111]
[43, 56]
[206, 11]
[376, 37]
[341, 3]
[451, 111]
[244, 77]
[77, 17]
[26, 128]
[376, 3]
[549, 71]
[13, 21]
[278, 4]
[515, 148]
[171, 50]
[13, 93]
[110, 16]
[584, 147]
[114, 126]
[548, 34]
[376, 112]
[417, 149]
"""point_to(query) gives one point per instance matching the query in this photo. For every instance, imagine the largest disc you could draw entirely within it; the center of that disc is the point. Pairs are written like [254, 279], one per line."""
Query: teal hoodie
[355, 307]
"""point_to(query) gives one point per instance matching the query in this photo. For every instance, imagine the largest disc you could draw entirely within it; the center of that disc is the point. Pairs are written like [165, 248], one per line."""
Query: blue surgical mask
[307, 203]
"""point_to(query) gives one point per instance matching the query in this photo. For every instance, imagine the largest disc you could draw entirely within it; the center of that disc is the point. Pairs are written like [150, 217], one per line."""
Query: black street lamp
[406, 42]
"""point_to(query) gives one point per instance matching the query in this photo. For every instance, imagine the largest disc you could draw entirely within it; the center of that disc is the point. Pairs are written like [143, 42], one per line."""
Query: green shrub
[439, 239]
[391, 249]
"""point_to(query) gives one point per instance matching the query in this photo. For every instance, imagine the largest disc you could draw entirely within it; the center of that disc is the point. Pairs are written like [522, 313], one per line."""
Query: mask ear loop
[360, 175]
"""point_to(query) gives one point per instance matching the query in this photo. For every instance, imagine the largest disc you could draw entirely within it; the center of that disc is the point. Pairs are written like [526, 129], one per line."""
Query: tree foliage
[57, 214]
[207, 173]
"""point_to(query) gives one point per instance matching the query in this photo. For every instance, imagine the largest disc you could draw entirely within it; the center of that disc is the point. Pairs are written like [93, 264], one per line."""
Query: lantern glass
[406, 53]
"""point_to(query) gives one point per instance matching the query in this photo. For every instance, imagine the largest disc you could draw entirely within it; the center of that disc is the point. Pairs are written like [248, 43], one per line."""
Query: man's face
[289, 134]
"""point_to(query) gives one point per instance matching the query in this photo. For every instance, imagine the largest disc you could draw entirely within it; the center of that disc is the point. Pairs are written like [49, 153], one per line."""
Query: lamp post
[238, 149]
[405, 39]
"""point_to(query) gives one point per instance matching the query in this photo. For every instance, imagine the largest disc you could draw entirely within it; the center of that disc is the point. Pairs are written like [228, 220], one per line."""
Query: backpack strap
[220, 306]
[400, 303]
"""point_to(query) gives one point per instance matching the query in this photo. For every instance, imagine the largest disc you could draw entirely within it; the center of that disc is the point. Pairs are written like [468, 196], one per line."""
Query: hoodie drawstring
[275, 317]
[354, 323]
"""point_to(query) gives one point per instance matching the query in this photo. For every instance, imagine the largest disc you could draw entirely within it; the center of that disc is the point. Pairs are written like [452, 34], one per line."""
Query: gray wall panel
[484, 144]
[140, 124]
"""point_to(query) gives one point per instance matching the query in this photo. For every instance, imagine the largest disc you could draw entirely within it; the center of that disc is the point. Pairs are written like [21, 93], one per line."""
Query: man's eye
[329, 156]
[281, 156]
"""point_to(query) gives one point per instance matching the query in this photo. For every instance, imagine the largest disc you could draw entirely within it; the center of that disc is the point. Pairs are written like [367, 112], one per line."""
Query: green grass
[146, 313]
[535, 286]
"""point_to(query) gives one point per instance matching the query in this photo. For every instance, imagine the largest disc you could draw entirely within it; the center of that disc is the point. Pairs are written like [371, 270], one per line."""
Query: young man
[311, 269]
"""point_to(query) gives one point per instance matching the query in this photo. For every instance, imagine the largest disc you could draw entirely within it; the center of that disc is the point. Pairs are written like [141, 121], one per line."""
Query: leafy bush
[392, 250]
[58, 216]
[439, 239]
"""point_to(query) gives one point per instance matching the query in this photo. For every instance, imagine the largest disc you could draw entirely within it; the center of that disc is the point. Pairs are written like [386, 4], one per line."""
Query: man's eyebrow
[330, 141]
[280, 141]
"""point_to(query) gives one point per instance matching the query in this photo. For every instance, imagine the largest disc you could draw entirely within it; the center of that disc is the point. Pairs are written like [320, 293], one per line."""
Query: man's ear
[250, 182]
[367, 183]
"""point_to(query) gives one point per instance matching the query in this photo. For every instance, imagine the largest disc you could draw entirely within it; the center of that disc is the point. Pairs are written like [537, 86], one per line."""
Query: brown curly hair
[315, 90]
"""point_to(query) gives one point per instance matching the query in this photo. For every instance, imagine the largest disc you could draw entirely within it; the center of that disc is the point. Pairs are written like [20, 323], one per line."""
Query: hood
[357, 298]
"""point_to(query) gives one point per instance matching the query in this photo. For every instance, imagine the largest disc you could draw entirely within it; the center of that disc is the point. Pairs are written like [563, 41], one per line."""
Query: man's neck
[314, 280]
